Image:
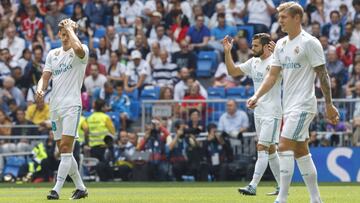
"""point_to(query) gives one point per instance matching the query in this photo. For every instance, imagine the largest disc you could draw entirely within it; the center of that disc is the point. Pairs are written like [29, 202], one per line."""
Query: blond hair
[292, 8]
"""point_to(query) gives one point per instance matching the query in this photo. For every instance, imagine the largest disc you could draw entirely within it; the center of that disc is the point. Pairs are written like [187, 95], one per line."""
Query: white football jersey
[68, 72]
[270, 104]
[297, 58]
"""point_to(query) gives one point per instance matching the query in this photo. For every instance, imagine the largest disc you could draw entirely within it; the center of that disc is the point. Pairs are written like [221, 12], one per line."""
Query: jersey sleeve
[246, 67]
[48, 62]
[315, 53]
[276, 58]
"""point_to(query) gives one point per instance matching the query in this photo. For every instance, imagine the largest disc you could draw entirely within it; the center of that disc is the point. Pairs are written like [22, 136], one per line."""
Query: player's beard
[259, 53]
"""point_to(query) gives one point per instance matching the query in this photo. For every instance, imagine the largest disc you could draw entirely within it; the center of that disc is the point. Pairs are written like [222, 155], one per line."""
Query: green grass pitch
[174, 192]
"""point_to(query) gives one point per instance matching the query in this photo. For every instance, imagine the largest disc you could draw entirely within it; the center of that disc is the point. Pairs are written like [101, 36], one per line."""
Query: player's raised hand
[332, 114]
[227, 43]
[252, 102]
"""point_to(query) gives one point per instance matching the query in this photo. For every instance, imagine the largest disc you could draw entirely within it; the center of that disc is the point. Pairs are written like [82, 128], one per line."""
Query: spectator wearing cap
[131, 9]
[95, 80]
[155, 20]
[165, 72]
[355, 36]
[93, 59]
[13, 43]
[198, 35]
[260, 14]
[334, 29]
[96, 10]
[164, 41]
[138, 73]
[52, 19]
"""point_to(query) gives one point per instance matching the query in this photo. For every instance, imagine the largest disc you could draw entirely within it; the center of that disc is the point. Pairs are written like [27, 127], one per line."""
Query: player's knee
[64, 148]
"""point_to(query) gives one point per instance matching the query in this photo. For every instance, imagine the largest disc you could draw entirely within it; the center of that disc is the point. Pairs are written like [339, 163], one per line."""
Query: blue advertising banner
[334, 164]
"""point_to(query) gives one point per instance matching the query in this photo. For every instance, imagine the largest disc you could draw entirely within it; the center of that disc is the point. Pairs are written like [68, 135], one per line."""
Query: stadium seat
[69, 9]
[135, 110]
[249, 29]
[235, 92]
[100, 32]
[115, 118]
[150, 93]
[134, 95]
[209, 55]
[13, 164]
[216, 92]
[204, 67]
[55, 44]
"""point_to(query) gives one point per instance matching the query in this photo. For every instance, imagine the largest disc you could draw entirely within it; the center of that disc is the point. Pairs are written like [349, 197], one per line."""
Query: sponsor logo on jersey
[289, 64]
[62, 69]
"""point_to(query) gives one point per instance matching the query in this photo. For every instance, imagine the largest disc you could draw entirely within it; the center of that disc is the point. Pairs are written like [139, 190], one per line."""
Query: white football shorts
[296, 125]
[64, 121]
[268, 130]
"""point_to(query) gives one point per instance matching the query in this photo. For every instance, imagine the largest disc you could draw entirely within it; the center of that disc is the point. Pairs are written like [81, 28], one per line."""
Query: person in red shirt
[194, 94]
[346, 51]
[93, 59]
[30, 24]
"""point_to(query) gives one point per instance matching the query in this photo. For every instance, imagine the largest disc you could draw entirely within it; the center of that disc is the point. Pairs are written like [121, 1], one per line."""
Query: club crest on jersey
[268, 68]
[297, 50]
[57, 53]
[71, 55]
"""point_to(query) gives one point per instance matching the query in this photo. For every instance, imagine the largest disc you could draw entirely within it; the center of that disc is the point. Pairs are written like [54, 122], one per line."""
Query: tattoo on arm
[324, 82]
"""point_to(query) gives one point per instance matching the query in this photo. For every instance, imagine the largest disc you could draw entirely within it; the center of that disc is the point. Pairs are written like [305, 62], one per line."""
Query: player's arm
[70, 27]
[331, 111]
[266, 85]
[230, 65]
[42, 85]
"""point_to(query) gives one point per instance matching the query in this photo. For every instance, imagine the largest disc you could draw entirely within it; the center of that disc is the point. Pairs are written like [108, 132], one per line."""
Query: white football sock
[64, 167]
[260, 167]
[286, 161]
[75, 175]
[309, 174]
[274, 166]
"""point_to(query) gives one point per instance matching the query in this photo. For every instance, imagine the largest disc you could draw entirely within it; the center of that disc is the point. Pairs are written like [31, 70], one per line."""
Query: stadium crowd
[160, 47]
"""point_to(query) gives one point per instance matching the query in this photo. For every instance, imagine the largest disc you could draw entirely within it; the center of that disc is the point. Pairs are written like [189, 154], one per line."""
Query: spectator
[234, 122]
[356, 5]
[180, 27]
[354, 77]
[346, 51]
[223, 79]
[8, 10]
[93, 60]
[164, 41]
[324, 40]
[198, 35]
[218, 153]
[21, 120]
[334, 29]
[38, 113]
[5, 65]
[39, 40]
[81, 20]
[140, 44]
[336, 67]
[313, 141]
[117, 18]
[102, 52]
[337, 90]
[95, 80]
[243, 52]
[33, 70]
[96, 10]
[234, 8]
[117, 69]
[181, 87]
[155, 20]
[31, 23]
[319, 15]
[52, 19]
[196, 125]
[24, 60]
[153, 57]
[220, 9]
[198, 11]
[131, 9]
[19, 81]
[106, 92]
[138, 73]
[164, 73]
[194, 94]
[185, 57]
[260, 14]
[13, 43]
[315, 29]
[9, 91]
[133, 139]
[120, 104]
[348, 31]
[114, 40]
[220, 31]
[355, 36]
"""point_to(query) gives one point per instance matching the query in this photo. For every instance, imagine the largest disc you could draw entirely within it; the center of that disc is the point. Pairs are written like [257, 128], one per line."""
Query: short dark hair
[221, 15]
[119, 84]
[263, 37]
[344, 39]
[99, 105]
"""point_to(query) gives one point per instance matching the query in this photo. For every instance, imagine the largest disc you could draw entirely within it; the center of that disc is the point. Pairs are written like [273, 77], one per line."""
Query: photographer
[186, 154]
[154, 142]
[218, 153]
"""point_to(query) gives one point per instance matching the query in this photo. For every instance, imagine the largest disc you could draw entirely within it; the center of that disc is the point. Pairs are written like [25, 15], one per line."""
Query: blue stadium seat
[204, 67]
[209, 55]
[115, 118]
[135, 110]
[249, 29]
[55, 44]
[69, 9]
[150, 93]
[235, 92]
[100, 32]
[13, 164]
[216, 92]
